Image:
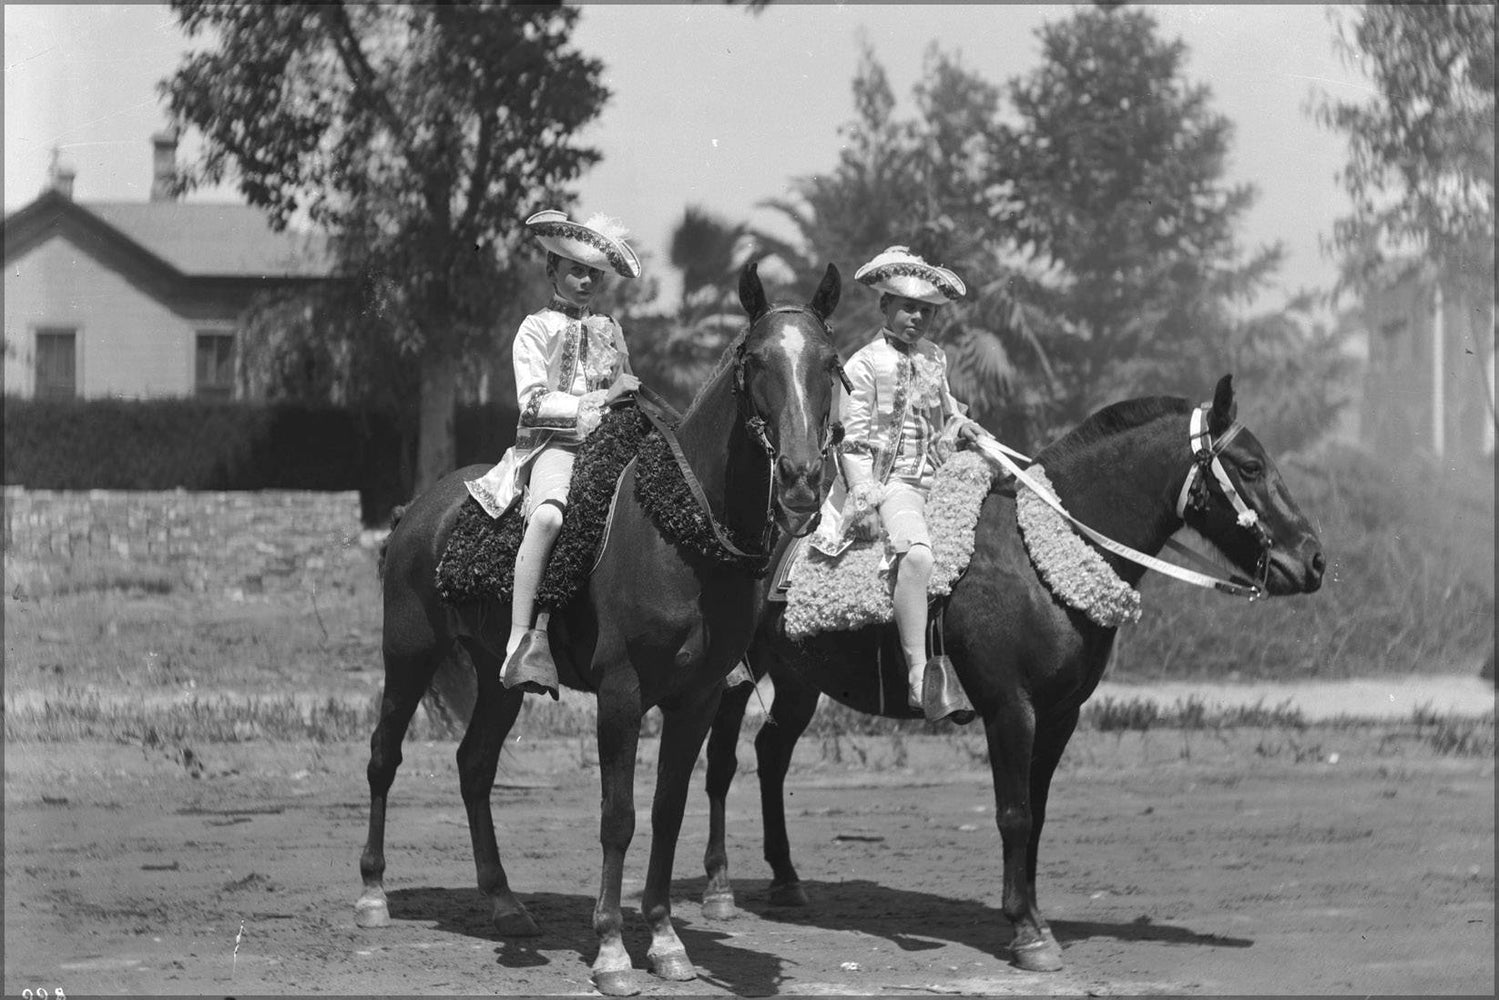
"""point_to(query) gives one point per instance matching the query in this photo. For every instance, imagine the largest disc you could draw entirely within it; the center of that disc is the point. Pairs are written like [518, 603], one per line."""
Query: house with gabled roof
[139, 300]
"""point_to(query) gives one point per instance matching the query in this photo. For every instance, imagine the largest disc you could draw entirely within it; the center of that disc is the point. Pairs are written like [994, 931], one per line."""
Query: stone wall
[203, 542]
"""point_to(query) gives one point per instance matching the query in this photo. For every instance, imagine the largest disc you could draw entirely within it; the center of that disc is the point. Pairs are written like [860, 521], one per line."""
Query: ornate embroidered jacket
[901, 419]
[564, 364]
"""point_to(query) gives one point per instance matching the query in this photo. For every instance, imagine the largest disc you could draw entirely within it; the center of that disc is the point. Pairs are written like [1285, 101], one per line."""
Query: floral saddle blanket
[853, 590]
[478, 563]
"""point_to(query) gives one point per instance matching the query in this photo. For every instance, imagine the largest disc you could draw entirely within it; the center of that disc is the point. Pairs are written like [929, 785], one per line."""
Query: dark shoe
[942, 696]
[530, 667]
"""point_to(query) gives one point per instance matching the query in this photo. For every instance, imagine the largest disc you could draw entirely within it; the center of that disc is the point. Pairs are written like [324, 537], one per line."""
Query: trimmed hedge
[163, 444]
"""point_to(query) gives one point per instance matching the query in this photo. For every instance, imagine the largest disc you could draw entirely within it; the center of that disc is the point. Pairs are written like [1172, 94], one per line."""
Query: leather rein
[1193, 495]
[664, 417]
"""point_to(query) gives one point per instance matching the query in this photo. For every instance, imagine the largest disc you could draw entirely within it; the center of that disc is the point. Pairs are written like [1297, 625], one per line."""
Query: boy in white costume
[900, 423]
[570, 363]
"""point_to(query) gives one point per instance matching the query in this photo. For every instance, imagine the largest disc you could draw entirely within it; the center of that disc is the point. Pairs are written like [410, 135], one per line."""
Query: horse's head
[784, 373]
[1234, 496]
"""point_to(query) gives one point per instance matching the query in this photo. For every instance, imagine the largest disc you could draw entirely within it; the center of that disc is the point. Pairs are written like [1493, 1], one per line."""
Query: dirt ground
[1327, 860]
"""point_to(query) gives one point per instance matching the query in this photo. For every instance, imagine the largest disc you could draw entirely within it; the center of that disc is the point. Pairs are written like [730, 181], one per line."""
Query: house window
[56, 363]
[213, 372]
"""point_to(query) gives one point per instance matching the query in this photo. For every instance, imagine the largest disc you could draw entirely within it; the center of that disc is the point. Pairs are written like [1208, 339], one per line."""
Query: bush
[1409, 587]
[192, 444]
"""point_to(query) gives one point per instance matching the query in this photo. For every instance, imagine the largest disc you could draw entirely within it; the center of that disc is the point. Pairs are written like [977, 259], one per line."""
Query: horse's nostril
[789, 472]
[1319, 563]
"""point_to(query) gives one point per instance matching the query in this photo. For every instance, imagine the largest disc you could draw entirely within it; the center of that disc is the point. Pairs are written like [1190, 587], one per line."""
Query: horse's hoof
[672, 965]
[616, 983]
[372, 913]
[720, 906]
[516, 923]
[1039, 956]
[788, 894]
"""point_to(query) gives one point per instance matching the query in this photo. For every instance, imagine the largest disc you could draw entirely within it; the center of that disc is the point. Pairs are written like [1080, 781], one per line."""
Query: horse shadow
[922, 921]
[566, 922]
[910, 920]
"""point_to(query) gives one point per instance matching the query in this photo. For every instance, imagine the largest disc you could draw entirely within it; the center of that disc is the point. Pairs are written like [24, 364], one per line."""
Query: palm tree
[702, 248]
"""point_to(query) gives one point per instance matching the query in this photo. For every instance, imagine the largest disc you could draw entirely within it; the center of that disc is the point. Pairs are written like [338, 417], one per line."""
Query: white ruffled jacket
[563, 369]
[874, 417]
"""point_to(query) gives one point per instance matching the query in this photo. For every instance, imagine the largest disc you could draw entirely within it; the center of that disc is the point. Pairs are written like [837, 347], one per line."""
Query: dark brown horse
[657, 624]
[1026, 661]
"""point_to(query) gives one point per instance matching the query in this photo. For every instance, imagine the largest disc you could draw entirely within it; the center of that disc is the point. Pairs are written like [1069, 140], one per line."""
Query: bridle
[662, 416]
[756, 425]
[1194, 496]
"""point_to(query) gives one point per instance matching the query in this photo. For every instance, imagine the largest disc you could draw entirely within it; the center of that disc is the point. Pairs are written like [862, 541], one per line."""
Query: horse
[656, 624]
[1026, 660]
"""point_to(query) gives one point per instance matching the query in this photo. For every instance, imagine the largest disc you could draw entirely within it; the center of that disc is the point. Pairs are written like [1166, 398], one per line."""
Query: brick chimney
[163, 165]
[59, 177]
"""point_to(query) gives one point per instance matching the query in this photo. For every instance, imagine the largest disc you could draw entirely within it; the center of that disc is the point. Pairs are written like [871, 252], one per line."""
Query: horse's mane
[724, 360]
[1110, 420]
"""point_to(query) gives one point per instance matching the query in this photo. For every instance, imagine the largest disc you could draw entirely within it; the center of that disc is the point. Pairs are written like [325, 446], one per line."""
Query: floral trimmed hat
[898, 271]
[599, 242]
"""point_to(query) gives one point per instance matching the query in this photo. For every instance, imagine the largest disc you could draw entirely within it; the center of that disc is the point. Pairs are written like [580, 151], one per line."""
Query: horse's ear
[826, 299]
[1225, 408]
[751, 292]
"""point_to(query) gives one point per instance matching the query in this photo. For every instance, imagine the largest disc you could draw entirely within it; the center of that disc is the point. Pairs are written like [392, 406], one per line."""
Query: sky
[722, 108]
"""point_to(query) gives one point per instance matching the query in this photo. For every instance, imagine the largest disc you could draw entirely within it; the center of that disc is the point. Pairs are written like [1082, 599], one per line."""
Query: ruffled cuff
[590, 412]
[863, 500]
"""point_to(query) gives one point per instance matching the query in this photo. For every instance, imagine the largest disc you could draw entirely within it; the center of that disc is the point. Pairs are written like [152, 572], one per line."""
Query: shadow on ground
[911, 921]
[866, 907]
[566, 922]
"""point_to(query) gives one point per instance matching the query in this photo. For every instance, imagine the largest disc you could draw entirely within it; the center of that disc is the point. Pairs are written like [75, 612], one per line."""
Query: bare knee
[546, 520]
[917, 561]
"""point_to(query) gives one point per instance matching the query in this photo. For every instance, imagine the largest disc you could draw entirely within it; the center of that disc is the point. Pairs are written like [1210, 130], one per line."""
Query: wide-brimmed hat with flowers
[599, 242]
[898, 271]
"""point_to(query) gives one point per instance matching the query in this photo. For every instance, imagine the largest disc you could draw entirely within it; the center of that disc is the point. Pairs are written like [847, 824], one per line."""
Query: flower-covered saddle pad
[478, 562]
[852, 590]
[1071, 568]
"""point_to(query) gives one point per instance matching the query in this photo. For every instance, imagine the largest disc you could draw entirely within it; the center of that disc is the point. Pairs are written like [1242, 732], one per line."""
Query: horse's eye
[1251, 469]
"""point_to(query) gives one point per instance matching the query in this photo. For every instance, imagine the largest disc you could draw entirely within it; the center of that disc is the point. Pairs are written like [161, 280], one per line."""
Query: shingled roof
[219, 240]
[198, 240]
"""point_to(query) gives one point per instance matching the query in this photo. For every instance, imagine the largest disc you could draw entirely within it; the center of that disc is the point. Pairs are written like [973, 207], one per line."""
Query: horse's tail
[395, 519]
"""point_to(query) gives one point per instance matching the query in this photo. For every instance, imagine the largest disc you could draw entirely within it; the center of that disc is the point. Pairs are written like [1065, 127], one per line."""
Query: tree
[1119, 162]
[703, 249]
[929, 183]
[1421, 149]
[1301, 375]
[419, 137]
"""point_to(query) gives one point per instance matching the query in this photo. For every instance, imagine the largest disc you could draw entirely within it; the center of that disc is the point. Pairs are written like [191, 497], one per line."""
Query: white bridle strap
[992, 449]
[1205, 452]
[1197, 438]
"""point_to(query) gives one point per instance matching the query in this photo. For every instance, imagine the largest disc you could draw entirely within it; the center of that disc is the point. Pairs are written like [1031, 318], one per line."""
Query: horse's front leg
[791, 711]
[1051, 739]
[723, 762]
[685, 720]
[1011, 736]
[618, 736]
[494, 713]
